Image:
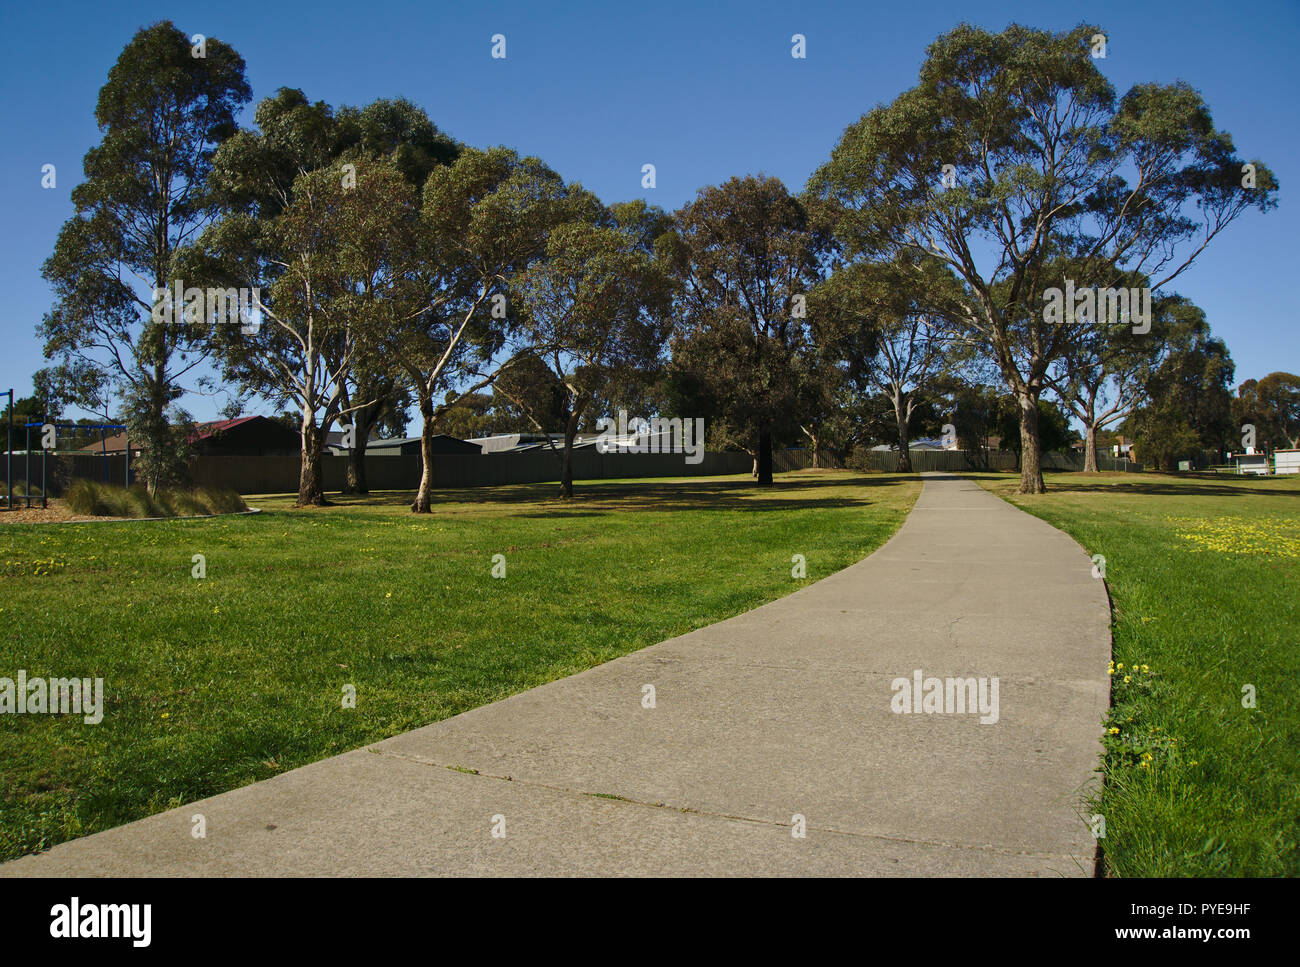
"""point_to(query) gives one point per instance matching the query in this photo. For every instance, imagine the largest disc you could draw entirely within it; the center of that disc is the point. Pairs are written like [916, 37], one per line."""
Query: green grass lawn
[213, 683]
[1204, 577]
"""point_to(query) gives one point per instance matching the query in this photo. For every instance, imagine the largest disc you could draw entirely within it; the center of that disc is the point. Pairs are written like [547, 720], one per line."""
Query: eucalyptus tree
[1187, 400]
[745, 254]
[1279, 394]
[402, 133]
[1102, 375]
[595, 310]
[485, 219]
[162, 113]
[382, 403]
[900, 329]
[322, 214]
[838, 409]
[336, 263]
[1272, 406]
[1014, 151]
[526, 398]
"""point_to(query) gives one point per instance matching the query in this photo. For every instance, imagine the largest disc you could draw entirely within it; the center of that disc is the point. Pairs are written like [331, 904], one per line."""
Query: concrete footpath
[786, 711]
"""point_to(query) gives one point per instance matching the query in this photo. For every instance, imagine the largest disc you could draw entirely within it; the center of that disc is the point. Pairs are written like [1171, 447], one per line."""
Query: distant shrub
[862, 460]
[105, 500]
[224, 501]
[116, 500]
[138, 503]
[186, 504]
[84, 497]
[21, 489]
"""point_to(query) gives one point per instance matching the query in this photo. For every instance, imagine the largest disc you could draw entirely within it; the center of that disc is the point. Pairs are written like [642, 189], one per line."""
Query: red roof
[202, 431]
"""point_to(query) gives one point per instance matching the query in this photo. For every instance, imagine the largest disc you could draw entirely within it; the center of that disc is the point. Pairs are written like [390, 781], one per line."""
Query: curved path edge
[781, 720]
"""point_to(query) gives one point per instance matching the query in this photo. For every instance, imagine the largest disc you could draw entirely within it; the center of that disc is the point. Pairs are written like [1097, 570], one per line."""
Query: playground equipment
[47, 433]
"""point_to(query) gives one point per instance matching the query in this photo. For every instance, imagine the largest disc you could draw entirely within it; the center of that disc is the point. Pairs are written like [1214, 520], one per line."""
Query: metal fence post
[9, 457]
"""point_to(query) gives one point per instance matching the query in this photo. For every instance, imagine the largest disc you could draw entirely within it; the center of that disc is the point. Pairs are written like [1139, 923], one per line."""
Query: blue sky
[703, 91]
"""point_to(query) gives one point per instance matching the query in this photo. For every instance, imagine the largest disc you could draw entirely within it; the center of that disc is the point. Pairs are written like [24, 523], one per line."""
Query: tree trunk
[356, 481]
[566, 458]
[1031, 473]
[1090, 448]
[158, 414]
[764, 457]
[904, 443]
[311, 483]
[362, 422]
[421, 503]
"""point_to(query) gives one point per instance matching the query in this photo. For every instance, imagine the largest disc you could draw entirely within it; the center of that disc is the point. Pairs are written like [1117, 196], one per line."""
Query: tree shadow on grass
[595, 498]
[1172, 490]
[712, 502]
[1168, 485]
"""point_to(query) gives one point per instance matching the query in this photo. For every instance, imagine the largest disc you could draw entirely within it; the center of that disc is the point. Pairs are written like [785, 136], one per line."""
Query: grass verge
[1204, 577]
[216, 682]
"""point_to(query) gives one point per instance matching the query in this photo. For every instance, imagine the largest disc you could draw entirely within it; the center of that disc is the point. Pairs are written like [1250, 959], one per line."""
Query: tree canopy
[1013, 156]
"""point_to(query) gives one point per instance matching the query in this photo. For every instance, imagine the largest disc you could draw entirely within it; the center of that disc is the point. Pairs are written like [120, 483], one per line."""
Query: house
[335, 438]
[508, 442]
[410, 446]
[644, 441]
[666, 441]
[245, 436]
[914, 446]
[977, 443]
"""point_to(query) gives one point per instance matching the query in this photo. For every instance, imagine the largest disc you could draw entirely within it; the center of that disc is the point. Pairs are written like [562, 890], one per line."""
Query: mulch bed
[57, 512]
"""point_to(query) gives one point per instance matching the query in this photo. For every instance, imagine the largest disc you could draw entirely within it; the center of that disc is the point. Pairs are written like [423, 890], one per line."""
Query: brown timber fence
[279, 474]
[273, 475]
[1059, 460]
